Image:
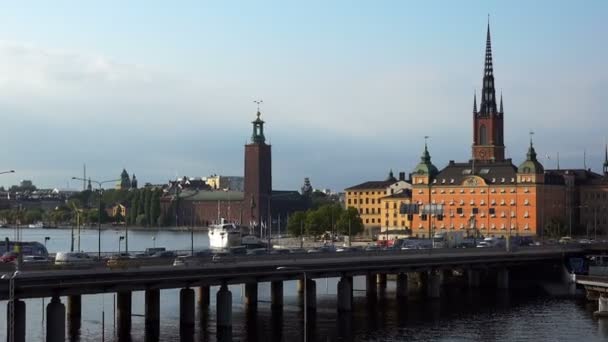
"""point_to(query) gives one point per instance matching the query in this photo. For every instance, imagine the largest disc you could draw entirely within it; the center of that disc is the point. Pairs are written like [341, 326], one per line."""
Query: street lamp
[99, 184]
[46, 238]
[287, 268]
[120, 238]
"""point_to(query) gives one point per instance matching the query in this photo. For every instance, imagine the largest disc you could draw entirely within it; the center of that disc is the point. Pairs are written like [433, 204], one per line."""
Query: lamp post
[120, 238]
[46, 238]
[287, 268]
[99, 184]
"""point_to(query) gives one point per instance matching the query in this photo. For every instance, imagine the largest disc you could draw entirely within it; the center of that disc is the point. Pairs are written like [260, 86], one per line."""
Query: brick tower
[488, 127]
[258, 175]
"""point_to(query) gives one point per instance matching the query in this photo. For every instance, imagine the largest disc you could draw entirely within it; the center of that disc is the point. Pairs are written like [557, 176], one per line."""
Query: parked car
[257, 251]
[121, 261]
[187, 260]
[164, 254]
[37, 259]
[565, 240]
[280, 251]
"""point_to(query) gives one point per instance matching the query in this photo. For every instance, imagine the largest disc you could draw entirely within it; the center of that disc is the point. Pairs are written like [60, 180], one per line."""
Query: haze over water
[458, 316]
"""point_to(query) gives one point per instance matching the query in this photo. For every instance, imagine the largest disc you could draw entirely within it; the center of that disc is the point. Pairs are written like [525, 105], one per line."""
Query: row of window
[474, 211]
[481, 226]
[472, 191]
[361, 193]
[594, 195]
[481, 202]
[368, 221]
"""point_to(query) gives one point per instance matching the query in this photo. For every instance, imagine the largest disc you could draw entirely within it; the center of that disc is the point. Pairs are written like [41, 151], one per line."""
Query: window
[367, 210]
[483, 135]
[462, 191]
[373, 201]
[367, 201]
[373, 210]
[386, 205]
[461, 202]
[512, 190]
[492, 211]
[482, 202]
[366, 220]
[349, 201]
[474, 211]
[472, 202]
[502, 214]
[459, 210]
[472, 191]
[493, 202]
[423, 217]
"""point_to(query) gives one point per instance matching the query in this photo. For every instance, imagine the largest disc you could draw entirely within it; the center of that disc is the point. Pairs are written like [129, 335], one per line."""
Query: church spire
[606, 160]
[257, 137]
[501, 110]
[488, 93]
[475, 102]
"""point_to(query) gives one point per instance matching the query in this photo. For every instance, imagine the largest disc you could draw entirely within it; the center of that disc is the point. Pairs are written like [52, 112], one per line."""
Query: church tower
[258, 175]
[488, 143]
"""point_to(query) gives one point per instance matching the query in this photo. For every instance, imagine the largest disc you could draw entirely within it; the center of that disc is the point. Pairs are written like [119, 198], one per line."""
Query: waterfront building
[253, 203]
[219, 182]
[488, 194]
[367, 198]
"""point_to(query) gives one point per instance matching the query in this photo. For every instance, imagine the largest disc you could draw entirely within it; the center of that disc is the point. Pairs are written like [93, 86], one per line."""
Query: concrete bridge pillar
[123, 314]
[502, 279]
[186, 313]
[370, 287]
[402, 285]
[433, 289]
[152, 314]
[19, 323]
[381, 280]
[74, 315]
[602, 307]
[345, 292]
[251, 294]
[311, 294]
[55, 321]
[276, 294]
[203, 296]
[474, 278]
[224, 313]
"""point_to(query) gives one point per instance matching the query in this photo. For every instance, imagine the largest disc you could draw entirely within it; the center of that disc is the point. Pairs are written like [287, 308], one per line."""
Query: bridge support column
[55, 321]
[502, 279]
[186, 313]
[402, 285]
[74, 314]
[370, 285]
[433, 289]
[276, 294]
[152, 314]
[19, 321]
[381, 280]
[345, 292]
[203, 296]
[123, 314]
[311, 295]
[251, 294]
[602, 307]
[473, 278]
[224, 313]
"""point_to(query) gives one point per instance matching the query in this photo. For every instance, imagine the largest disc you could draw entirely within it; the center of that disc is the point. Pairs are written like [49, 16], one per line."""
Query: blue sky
[350, 88]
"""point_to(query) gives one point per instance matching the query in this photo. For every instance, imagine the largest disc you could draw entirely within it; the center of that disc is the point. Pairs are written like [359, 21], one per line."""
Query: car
[9, 257]
[187, 260]
[372, 248]
[72, 258]
[484, 244]
[203, 253]
[314, 250]
[565, 240]
[584, 241]
[257, 251]
[164, 254]
[35, 259]
[280, 251]
[120, 261]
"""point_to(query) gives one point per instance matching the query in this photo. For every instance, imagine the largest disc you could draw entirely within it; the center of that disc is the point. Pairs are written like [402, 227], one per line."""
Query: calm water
[459, 316]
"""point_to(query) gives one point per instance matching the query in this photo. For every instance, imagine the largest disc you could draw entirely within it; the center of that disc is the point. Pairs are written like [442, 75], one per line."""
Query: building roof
[581, 176]
[371, 185]
[491, 172]
[206, 195]
[407, 193]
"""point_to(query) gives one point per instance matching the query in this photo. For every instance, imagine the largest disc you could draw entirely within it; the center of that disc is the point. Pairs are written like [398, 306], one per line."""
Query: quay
[430, 266]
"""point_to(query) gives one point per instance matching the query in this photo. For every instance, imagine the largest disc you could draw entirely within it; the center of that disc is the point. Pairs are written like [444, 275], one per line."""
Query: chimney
[402, 176]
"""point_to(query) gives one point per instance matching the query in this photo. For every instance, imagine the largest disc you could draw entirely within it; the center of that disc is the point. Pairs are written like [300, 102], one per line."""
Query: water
[458, 316]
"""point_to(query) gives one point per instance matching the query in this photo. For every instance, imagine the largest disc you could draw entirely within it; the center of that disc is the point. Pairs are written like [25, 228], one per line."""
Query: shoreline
[137, 228]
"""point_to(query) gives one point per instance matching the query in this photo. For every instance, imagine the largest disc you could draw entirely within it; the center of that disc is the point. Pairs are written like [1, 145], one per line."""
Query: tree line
[326, 218]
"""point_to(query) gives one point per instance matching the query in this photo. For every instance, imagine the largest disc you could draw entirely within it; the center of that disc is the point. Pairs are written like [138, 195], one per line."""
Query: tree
[555, 228]
[296, 223]
[155, 207]
[350, 215]
[315, 223]
[148, 206]
[134, 207]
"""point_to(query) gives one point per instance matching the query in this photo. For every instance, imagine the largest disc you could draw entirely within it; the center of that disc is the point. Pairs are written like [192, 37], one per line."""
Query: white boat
[36, 225]
[224, 235]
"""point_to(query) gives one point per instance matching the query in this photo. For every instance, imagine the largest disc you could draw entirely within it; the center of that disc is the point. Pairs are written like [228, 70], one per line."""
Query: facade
[218, 182]
[367, 199]
[487, 195]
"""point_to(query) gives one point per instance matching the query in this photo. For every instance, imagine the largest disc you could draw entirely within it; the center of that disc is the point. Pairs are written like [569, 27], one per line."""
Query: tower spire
[488, 93]
[606, 160]
[501, 109]
[475, 102]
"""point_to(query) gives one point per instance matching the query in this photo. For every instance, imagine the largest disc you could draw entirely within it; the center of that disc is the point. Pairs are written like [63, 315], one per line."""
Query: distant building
[218, 182]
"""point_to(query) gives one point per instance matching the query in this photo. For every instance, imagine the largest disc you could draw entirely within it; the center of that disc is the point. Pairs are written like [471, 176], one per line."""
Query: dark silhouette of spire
[501, 110]
[488, 93]
[606, 160]
[475, 102]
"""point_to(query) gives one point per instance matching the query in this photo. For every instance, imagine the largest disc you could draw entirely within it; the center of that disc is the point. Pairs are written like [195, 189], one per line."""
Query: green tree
[148, 206]
[350, 222]
[555, 228]
[141, 220]
[316, 223]
[134, 207]
[296, 223]
[155, 207]
[32, 216]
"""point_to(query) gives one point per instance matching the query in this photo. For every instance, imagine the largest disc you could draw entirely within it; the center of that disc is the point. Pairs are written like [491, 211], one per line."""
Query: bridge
[428, 266]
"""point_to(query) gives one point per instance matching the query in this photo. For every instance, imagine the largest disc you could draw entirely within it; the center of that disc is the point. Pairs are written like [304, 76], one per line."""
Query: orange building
[487, 195]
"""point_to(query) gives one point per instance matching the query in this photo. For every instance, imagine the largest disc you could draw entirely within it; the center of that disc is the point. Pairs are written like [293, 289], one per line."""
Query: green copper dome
[425, 167]
[531, 165]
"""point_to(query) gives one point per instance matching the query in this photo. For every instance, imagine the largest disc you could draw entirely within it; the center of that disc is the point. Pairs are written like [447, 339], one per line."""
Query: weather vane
[531, 134]
[258, 102]
[426, 138]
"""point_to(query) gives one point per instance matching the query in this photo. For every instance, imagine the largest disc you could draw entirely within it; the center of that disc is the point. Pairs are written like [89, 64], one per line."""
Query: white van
[62, 258]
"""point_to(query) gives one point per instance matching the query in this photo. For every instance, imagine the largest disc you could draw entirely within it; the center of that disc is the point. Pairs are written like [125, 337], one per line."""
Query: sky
[350, 88]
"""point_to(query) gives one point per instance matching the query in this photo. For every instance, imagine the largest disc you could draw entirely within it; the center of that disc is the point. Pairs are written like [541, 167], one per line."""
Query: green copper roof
[425, 167]
[531, 165]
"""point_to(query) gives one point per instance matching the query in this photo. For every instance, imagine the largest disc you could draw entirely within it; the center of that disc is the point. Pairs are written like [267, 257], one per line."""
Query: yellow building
[394, 223]
[374, 202]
